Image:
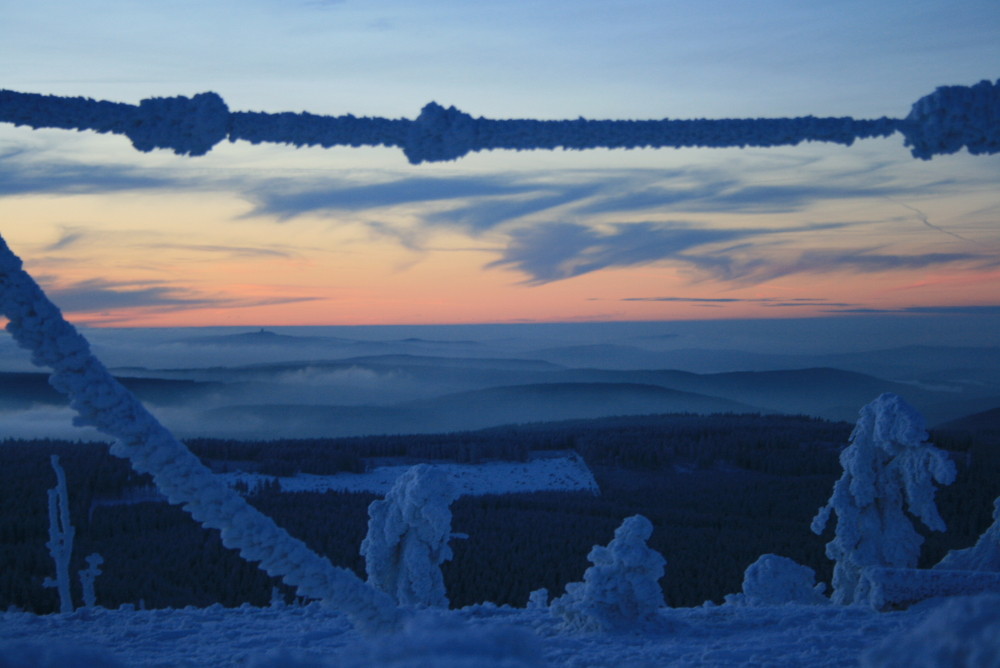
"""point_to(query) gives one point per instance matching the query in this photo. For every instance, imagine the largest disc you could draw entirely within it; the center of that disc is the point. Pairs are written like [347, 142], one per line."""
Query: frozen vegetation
[617, 614]
[776, 580]
[408, 535]
[889, 470]
[621, 591]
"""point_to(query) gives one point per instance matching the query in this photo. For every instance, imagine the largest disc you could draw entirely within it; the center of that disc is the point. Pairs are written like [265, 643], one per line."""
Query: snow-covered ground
[562, 473]
[939, 632]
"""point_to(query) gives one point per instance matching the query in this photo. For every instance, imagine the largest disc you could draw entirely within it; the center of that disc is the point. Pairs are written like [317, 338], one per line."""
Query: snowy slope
[565, 473]
[792, 635]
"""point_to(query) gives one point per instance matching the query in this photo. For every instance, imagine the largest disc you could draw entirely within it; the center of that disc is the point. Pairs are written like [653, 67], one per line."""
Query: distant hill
[469, 410]
[262, 337]
[986, 421]
[821, 392]
[22, 389]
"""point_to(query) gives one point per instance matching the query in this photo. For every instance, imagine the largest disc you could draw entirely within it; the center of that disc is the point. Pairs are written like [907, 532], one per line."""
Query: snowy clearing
[566, 474]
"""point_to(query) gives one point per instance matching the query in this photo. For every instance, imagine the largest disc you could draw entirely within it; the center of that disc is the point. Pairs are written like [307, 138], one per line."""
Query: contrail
[950, 118]
[923, 218]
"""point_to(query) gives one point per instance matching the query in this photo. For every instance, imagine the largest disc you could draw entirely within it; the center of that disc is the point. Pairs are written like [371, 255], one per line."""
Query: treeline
[720, 492]
[765, 443]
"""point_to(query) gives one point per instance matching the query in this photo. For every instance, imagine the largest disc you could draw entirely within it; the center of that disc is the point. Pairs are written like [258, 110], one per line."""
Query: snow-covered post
[408, 534]
[888, 464]
[102, 402]
[87, 577]
[621, 590]
[61, 534]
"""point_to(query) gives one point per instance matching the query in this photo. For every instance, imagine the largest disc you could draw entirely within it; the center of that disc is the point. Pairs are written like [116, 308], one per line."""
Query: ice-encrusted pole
[87, 578]
[102, 402]
[61, 533]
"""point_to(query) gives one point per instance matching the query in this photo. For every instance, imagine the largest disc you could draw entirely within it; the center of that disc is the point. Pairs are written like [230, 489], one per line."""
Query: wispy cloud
[286, 199]
[773, 302]
[839, 260]
[562, 250]
[558, 251]
[25, 177]
[232, 251]
[70, 236]
[949, 309]
[99, 295]
[728, 193]
[73, 236]
[487, 214]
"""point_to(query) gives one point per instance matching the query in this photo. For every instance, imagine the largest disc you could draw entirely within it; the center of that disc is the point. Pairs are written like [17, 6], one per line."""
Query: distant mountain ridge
[415, 392]
[478, 409]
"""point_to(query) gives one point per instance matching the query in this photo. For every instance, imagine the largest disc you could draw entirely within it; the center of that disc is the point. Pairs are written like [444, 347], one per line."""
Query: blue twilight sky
[273, 235]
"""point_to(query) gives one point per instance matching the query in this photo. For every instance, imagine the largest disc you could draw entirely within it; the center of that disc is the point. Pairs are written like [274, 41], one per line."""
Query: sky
[265, 235]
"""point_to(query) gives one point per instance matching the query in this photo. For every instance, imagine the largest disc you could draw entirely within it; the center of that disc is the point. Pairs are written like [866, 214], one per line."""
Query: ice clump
[408, 535]
[776, 580]
[621, 591]
[888, 465]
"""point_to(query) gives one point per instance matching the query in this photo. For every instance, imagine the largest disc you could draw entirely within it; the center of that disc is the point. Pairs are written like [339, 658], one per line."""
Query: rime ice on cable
[408, 534]
[889, 464]
[188, 126]
[621, 591]
[953, 117]
[942, 122]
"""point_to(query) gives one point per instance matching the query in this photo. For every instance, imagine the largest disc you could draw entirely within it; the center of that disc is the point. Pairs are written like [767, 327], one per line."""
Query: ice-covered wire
[950, 118]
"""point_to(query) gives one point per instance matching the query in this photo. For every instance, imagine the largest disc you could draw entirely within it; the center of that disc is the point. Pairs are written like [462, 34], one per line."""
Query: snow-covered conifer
[776, 580]
[102, 402]
[408, 534]
[61, 534]
[889, 469]
[621, 590]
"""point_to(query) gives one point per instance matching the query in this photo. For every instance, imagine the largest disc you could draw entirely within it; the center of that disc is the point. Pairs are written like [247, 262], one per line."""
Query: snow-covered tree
[408, 535]
[889, 469]
[776, 580]
[621, 590]
[61, 534]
